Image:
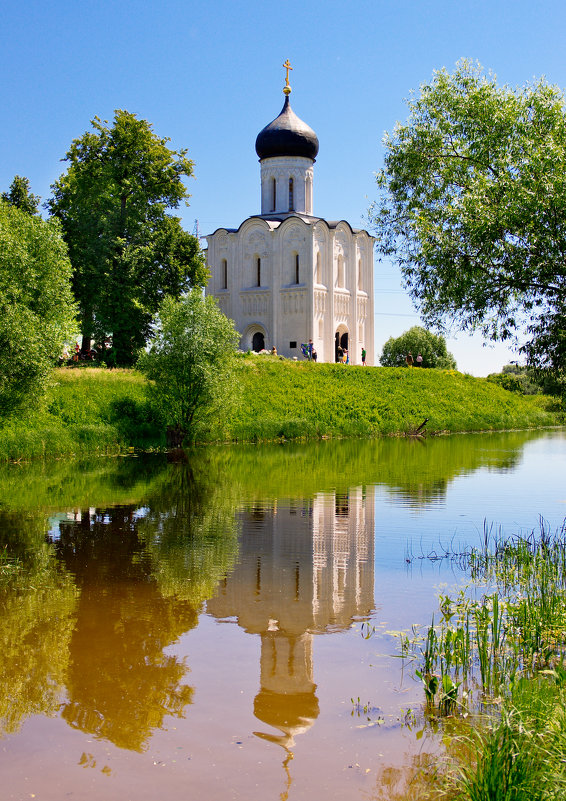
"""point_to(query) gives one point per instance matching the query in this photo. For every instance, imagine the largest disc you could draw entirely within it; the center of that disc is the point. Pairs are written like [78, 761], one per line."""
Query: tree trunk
[86, 330]
[175, 436]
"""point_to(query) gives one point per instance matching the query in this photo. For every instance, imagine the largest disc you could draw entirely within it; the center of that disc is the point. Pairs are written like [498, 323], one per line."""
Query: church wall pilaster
[309, 280]
[329, 270]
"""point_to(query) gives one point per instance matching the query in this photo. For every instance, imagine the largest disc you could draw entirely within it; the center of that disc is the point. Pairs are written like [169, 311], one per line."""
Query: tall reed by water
[495, 657]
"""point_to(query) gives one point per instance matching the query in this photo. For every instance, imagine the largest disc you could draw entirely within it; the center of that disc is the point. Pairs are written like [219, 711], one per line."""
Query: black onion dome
[287, 135]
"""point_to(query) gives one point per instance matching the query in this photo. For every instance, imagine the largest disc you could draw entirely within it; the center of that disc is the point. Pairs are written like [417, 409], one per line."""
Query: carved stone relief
[293, 302]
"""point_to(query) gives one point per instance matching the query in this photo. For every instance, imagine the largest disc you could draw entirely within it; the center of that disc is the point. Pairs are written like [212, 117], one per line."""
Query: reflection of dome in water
[291, 714]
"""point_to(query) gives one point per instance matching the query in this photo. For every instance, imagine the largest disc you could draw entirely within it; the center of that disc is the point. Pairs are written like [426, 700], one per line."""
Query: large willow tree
[472, 206]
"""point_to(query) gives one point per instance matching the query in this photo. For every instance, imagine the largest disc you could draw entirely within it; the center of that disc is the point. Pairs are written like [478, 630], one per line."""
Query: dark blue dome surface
[287, 135]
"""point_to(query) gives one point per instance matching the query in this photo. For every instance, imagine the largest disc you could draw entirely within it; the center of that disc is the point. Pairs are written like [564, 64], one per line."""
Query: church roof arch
[294, 221]
[220, 231]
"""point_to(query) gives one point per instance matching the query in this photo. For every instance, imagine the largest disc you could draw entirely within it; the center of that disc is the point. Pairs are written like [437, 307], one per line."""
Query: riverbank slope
[92, 410]
[290, 399]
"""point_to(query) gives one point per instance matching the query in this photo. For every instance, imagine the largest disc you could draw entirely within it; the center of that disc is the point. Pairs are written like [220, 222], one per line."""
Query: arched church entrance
[254, 338]
[258, 342]
[340, 343]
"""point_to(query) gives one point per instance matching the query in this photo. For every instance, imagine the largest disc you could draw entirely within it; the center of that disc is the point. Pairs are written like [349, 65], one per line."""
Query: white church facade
[286, 276]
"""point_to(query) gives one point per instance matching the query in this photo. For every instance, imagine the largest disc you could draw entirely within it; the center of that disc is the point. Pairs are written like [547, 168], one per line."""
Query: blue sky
[209, 76]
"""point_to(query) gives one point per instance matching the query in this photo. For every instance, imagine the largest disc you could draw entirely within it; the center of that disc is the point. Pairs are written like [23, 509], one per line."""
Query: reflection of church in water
[306, 567]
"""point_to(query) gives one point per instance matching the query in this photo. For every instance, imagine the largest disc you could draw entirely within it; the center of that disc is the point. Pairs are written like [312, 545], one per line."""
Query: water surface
[194, 629]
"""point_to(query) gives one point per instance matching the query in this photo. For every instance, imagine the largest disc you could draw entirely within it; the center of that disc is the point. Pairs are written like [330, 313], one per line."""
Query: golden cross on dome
[287, 67]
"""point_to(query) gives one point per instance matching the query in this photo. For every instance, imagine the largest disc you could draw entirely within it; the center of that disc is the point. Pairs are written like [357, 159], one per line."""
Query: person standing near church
[409, 359]
[364, 357]
[419, 360]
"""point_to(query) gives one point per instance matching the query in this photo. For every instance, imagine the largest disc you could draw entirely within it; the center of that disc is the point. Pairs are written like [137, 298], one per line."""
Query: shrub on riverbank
[96, 410]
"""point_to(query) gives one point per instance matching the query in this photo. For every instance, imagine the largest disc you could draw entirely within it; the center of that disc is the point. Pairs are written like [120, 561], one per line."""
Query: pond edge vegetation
[491, 665]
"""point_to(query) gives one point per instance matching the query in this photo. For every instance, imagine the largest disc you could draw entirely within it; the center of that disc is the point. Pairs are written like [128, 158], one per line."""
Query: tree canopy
[190, 362]
[19, 195]
[417, 341]
[37, 311]
[472, 206]
[127, 252]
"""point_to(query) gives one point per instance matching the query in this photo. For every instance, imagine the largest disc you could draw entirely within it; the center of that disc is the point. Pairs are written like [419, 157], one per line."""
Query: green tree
[37, 311]
[127, 252]
[190, 362]
[472, 206]
[417, 340]
[19, 195]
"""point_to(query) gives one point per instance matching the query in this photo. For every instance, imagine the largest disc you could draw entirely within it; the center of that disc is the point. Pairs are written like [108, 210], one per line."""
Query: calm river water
[195, 631]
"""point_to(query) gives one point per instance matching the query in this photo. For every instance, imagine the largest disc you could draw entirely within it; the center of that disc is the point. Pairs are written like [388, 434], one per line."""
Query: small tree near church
[417, 340]
[190, 364]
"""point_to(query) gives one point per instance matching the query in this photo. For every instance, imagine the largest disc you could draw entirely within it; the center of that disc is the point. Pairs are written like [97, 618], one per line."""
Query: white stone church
[286, 276]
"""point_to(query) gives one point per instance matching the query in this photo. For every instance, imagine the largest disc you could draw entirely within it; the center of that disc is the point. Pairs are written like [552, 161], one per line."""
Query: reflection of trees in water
[189, 530]
[78, 483]
[120, 683]
[37, 609]
[143, 572]
[418, 471]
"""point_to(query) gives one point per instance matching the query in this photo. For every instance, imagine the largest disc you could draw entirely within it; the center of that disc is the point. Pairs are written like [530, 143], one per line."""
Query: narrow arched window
[340, 271]
[291, 195]
[296, 268]
[360, 274]
[258, 267]
[273, 194]
[318, 269]
[224, 274]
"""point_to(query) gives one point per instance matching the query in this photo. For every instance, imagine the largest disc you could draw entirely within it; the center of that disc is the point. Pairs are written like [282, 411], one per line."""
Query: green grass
[86, 411]
[293, 399]
[94, 410]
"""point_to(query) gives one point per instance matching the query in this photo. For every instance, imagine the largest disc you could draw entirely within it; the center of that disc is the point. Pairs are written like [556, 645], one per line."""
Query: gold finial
[287, 88]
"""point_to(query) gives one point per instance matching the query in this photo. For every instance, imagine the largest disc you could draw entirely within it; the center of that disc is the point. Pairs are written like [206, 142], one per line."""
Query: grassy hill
[94, 410]
[283, 398]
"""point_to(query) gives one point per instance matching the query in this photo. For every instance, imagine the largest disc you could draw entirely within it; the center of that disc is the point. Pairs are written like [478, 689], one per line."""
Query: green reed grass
[500, 658]
[516, 628]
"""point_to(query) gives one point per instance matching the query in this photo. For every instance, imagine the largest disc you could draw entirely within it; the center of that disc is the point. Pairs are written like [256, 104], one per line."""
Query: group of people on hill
[411, 362]
[343, 357]
[78, 355]
[309, 352]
